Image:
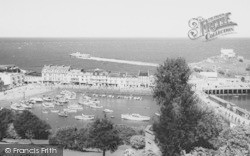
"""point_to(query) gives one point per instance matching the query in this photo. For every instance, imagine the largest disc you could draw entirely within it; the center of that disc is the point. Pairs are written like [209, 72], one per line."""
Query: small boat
[108, 111]
[135, 117]
[112, 116]
[63, 114]
[62, 100]
[157, 114]
[85, 117]
[17, 107]
[75, 107]
[37, 99]
[47, 99]
[54, 111]
[26, 106]
[69, 110]
[48, 105]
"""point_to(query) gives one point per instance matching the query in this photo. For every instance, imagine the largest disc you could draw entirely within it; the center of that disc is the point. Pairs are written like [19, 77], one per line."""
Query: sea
[33, 53]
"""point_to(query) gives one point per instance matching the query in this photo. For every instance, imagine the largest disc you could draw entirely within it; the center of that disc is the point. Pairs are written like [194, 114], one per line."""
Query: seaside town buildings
[97, 77]
[11, 76]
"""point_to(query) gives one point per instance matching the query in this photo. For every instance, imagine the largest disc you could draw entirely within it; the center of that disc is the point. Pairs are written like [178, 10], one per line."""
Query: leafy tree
[182, 123]
[82, 138]
[65, 137]
[103, 136]
[6, 117]
[234, 141]
[27, 121]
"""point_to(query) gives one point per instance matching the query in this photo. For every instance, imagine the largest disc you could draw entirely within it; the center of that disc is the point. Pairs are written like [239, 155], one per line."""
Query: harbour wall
[229, 111]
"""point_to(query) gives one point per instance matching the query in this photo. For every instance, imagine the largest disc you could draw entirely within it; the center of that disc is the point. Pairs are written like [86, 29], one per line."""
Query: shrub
[149, 153]
[125, 133]
[53, 140]
[137, 141]
[129, 152]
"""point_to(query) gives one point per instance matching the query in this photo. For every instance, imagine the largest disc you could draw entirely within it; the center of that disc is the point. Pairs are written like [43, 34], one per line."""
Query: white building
[55, 74]
[12, 79]
[98, 77]
[227, 53]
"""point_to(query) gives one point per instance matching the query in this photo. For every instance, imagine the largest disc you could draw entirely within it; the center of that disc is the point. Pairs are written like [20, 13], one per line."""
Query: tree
[182, 123]
[6, 117]
[234, 141]
[103, 136]
[65, 137]
[27, 121]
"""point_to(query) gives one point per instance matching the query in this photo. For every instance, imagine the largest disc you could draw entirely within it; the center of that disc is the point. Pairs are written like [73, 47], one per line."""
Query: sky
[114, 18]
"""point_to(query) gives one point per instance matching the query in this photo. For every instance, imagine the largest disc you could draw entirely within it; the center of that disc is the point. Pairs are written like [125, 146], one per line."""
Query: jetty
[89, 57]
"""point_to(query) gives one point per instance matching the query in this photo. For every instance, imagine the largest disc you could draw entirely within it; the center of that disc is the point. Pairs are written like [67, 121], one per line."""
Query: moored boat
[48, 105]
[108, 111]
[135, 117]
[17, 107]
[63, 114]
[85, 117]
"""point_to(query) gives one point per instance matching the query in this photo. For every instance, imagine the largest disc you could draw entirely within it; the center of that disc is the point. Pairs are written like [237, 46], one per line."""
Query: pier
[139, 63]
[230, 111]
[227, 91]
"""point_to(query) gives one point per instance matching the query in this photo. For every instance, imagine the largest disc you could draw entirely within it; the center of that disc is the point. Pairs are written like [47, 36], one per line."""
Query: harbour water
[147, 106]
[242, 101]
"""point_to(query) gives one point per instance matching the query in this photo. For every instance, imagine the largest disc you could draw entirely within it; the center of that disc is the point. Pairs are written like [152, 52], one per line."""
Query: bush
[129, 152]
[125, 133]
[149, 153]
[28, 122]
[137, 141]
[53, 140]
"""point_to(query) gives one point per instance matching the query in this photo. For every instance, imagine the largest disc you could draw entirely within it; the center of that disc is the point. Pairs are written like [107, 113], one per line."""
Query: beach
[24, 91]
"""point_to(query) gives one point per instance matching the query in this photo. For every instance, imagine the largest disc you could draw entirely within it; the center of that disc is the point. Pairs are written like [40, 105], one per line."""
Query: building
[55, 74]
[97, 77]
[12, 79]
[33, 77]
[227, 53]
[150, 141]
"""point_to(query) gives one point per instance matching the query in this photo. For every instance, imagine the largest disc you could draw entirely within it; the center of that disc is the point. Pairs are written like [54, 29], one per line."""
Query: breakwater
[139, 63]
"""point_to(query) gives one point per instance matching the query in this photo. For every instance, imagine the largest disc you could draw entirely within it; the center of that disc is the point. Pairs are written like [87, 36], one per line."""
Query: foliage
[234, 141]
[129, 152]
[137, 141]
[149, 153]
[103, 136]
[27, 121]
[125, 133]
[64, 137]
[182, 125]
[82, 138]
[6, 117]
[11, 132]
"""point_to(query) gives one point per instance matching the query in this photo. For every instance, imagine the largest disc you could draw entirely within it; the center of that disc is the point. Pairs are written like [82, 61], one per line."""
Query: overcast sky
[114, 18]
